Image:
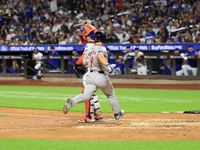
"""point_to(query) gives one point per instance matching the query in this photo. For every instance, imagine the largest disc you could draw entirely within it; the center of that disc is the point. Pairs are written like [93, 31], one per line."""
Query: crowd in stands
[124, 21]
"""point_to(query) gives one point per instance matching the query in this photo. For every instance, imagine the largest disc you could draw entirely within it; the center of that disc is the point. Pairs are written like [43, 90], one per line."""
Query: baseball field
[31, 118]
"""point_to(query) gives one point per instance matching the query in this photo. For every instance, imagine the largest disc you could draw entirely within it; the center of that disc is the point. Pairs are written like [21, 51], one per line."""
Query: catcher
[92, 107]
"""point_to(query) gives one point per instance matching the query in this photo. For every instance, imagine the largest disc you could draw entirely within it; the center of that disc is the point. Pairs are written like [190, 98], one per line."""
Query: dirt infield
[44, 124]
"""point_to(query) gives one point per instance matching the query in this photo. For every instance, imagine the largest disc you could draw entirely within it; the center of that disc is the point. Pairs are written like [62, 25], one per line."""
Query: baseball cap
[52, 47]
[176, 49]
[128, 46]
[108, 49]
[136, 48]
[190, 46]
[162, 64]
[35, 49]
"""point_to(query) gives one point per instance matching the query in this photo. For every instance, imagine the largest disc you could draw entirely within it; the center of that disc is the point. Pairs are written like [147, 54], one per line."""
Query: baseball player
[129, 53]
[37, 57]
[139, 58]
[92, 107]
[189, 64]
[179, 63]
[96, 59]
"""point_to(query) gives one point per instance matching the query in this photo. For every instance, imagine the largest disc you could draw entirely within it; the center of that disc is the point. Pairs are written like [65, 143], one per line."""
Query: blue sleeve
[190, 54]
[56, 54]
[168, 72]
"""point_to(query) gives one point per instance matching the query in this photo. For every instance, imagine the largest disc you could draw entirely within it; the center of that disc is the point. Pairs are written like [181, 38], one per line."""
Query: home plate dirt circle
[54, 125]
[40, 122]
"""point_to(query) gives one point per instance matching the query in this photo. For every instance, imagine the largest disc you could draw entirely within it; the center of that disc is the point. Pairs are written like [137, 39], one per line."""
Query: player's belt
[97, 71]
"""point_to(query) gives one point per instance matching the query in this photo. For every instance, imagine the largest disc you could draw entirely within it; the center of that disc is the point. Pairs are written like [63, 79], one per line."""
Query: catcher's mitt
[79, 70]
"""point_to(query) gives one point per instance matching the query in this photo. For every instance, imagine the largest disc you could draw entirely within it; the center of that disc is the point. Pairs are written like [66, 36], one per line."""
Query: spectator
[10, 35]
[164, 70]
[14, 41]
[53, 63]
[28, 11]
[189, 64]
[64, 27]
[56, 27]
[165, 17]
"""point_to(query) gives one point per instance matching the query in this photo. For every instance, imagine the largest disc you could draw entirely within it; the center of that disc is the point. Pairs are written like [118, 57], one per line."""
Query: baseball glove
[79, 70]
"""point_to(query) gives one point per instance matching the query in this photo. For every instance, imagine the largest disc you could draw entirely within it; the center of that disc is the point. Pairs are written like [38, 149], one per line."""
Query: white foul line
[37, 116]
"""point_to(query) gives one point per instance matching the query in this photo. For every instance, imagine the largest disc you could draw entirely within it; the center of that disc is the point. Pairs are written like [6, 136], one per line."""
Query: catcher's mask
[100, 37]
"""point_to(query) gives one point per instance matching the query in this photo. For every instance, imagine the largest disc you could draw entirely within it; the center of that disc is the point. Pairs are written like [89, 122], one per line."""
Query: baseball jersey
[141, 60]
[38, 56]
[92, 60]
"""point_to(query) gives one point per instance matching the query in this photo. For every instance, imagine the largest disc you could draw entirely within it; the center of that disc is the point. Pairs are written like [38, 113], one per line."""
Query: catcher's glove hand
[80, 70]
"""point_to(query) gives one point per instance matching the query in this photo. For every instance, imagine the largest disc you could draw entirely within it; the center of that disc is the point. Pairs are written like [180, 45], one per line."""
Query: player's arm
[139, 55]
[80, 60]
[104, 61]
[33, 58]
[83, 41]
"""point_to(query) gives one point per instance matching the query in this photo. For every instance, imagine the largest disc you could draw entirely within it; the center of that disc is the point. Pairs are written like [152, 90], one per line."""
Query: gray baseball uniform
[97, 78]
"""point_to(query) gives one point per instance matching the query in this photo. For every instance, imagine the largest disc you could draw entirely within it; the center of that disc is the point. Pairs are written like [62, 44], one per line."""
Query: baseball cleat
[98, 116]
[86, 119]
[67, 106]
[118, 115]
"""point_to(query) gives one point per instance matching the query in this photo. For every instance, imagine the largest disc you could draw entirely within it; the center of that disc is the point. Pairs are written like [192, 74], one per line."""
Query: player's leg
[144, 70]
[194, 71]
[139, 71]
[89, 107]
[185, 69]
[37, 71]
[106, 86]
[89, 91]
[107, 89]
[179, 73]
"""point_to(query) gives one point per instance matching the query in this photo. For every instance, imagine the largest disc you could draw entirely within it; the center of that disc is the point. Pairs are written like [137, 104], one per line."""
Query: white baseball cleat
[118, 115]
[67, 106]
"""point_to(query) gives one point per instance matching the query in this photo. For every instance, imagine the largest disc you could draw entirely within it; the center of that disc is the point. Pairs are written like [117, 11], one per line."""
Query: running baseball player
[92, 107]
[96, 59]
[37, 57]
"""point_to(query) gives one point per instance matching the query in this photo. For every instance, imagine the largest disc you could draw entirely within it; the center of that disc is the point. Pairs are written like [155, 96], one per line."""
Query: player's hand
[79, 32]
[109, 68]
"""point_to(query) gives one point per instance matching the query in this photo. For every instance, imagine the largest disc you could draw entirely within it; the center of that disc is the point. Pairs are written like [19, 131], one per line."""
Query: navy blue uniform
[121, 66]
[55, 62]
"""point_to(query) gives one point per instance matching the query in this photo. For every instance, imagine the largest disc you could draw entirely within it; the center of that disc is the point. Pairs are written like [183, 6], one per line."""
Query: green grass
[3, 115]
[28, 144]
[131, 100]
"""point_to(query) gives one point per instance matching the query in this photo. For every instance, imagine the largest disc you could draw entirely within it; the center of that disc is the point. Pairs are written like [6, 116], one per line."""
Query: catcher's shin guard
[96, 103]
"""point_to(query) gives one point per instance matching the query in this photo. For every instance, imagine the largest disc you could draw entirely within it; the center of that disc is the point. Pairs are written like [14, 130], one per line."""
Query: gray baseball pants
[94, 81]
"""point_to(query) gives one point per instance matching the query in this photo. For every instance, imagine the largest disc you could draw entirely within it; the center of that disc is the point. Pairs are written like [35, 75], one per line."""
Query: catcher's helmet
[100, 37]
[86, 29]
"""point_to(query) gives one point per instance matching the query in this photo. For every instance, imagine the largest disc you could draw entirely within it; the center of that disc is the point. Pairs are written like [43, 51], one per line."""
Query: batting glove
[109, 68]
